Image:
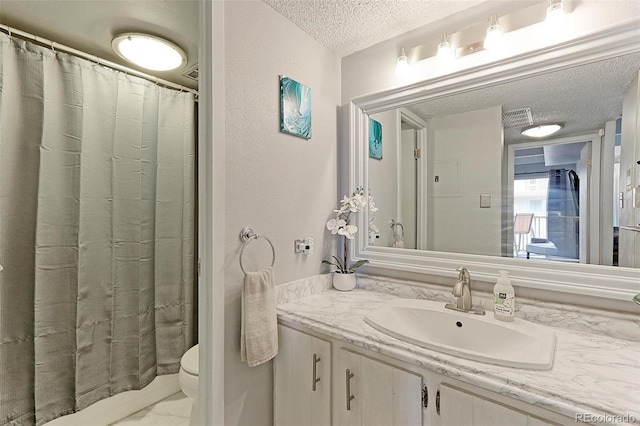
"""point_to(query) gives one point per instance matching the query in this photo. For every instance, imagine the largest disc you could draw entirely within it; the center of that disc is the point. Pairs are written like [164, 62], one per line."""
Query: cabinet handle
[438, 402]
[425, 396]
[316, 379]
[349, 396]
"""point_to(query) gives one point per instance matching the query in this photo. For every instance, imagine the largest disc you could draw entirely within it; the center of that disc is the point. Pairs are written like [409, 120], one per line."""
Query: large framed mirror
[457, 183]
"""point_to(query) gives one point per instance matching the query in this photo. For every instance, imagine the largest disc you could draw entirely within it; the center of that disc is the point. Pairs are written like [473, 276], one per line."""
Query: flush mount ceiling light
[494, 38]
[541, 130]
[150, 52]
[445, 54]
[402, 64]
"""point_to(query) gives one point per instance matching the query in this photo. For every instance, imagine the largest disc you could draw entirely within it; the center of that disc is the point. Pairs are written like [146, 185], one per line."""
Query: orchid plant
[340, 225]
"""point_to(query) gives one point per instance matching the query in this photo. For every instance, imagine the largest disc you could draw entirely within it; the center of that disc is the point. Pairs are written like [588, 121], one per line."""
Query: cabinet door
[459, 407]
[456, 408]
[535, 421]
[382, 394]
[348, 388]
[488, 413]
[407, 398]
[299, 397]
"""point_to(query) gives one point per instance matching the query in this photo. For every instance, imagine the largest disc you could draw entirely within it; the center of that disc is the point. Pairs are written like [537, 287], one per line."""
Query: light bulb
[541, 130]
[555, 14]
[149, 52]
[445, 54]
[402, 65]
[494, 39]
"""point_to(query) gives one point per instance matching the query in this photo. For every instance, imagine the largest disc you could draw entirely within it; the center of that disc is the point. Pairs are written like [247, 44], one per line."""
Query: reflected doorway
[550, 184]
[410, 233]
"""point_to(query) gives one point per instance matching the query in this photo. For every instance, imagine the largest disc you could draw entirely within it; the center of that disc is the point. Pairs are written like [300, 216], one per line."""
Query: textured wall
[283, 186]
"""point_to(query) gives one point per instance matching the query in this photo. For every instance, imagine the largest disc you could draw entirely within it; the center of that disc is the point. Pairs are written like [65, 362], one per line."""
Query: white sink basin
[478, 337]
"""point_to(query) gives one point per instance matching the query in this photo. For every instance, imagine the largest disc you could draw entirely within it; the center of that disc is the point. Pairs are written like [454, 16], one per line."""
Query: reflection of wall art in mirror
[295, 108]
[375, 139]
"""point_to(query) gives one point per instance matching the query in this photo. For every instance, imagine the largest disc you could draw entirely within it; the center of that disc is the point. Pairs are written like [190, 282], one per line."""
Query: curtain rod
[546, 172]
[93, 58]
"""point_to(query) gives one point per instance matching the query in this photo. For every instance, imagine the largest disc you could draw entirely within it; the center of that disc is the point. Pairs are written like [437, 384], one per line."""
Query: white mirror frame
[590, 280]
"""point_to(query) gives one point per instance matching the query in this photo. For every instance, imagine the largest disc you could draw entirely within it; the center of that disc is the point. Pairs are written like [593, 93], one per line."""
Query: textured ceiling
[347, 26]
[584, 98]
[343, 26]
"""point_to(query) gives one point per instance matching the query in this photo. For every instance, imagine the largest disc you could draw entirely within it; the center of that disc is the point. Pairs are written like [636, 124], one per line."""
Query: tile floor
[171, 411]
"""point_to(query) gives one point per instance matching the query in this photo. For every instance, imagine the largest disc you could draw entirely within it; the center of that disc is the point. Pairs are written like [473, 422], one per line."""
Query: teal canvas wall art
[295, 108]
[375, 139]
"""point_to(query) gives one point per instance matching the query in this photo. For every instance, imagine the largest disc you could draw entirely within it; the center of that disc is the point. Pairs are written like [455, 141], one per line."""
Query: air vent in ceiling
[517, 118]
[192, 73]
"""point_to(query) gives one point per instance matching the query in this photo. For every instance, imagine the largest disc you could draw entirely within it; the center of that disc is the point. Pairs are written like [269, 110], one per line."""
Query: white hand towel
[398, 244]
[259, 329]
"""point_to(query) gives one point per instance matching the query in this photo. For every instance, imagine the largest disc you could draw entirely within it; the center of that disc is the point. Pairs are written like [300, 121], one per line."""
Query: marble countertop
[592, 373]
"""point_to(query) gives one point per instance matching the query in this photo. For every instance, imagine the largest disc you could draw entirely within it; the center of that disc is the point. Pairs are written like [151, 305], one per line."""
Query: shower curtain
[563, 210]
[96, 232]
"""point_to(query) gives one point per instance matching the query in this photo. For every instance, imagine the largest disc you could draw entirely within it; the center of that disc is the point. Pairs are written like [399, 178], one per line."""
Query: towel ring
[247, 235]
[397, 236]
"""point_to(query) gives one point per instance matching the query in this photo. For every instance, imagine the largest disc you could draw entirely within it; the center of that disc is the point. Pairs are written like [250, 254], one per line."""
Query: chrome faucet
[462, 292]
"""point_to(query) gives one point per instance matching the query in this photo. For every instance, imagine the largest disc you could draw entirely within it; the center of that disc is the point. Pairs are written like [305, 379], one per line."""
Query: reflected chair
[521, 229]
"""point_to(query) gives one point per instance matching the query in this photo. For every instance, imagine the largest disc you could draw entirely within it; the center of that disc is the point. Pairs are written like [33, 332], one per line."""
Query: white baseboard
[122, 405]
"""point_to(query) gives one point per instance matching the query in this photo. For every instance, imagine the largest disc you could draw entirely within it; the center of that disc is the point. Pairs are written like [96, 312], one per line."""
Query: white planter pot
[344, 282]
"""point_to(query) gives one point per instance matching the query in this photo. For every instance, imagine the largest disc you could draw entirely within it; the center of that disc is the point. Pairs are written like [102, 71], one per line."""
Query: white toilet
[188, 377]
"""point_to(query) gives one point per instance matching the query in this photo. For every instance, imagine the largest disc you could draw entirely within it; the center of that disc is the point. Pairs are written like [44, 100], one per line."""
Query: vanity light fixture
[541, 130]
[494, 38]
[402, 64]
[555, 13]
[150, 52]
[445, 54]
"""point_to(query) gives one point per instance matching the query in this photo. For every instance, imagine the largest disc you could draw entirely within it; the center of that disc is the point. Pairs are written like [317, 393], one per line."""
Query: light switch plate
[485, 201]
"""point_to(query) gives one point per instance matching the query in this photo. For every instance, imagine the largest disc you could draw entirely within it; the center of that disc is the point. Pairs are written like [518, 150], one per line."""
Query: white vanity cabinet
[361, 387]
[302, 379]
[369, 392]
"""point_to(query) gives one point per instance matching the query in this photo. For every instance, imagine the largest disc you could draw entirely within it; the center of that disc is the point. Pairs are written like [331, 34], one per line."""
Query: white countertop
[591, 373]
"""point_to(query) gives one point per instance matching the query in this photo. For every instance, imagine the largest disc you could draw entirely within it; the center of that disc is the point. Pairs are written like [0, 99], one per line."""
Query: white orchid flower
[334, 225]
[354, 204]
[344, 209]
[348, 231]
[358, 203]
[372, 205]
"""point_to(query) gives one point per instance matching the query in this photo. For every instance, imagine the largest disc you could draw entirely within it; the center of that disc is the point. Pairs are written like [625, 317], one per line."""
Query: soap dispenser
[504, 298]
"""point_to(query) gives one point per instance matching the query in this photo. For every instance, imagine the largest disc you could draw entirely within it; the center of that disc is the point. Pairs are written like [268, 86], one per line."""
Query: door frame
[403, 114]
